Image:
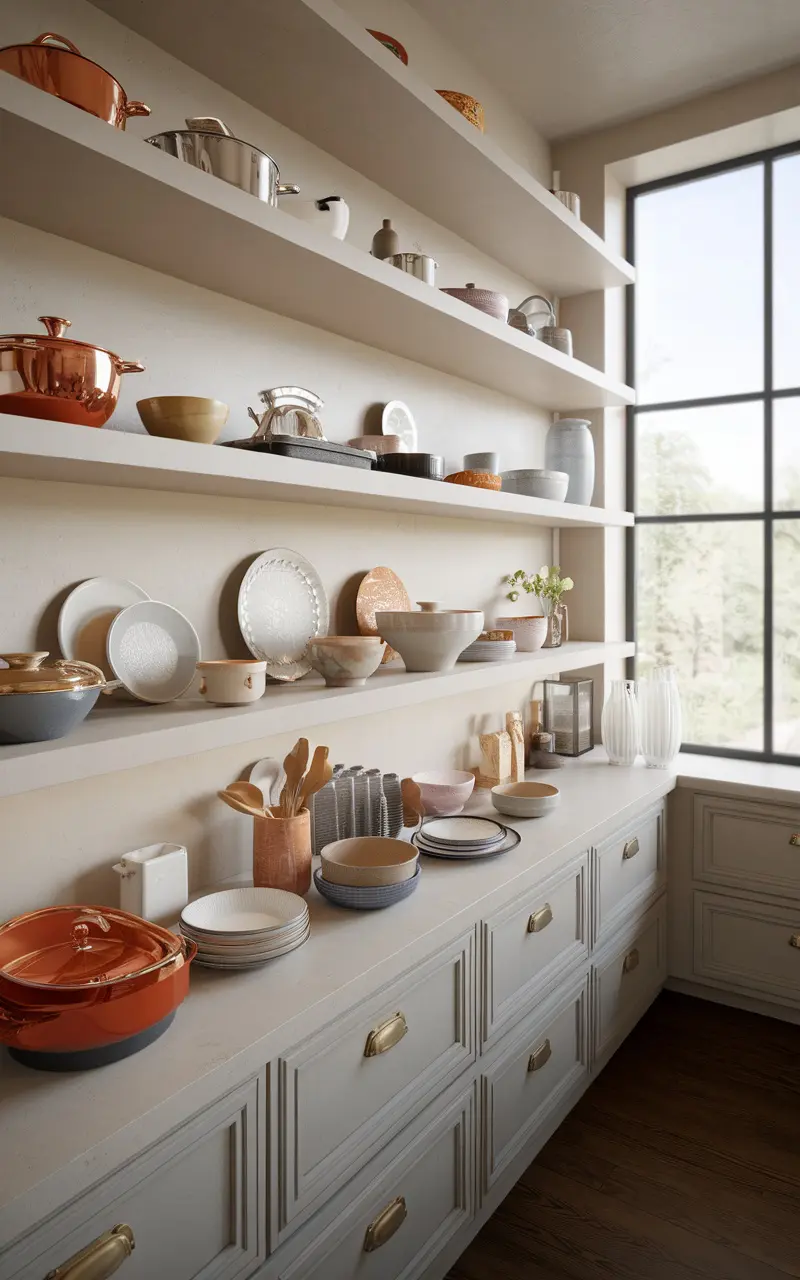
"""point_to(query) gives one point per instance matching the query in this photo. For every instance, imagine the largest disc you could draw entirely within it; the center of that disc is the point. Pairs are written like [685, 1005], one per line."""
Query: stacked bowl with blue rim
[367, 873]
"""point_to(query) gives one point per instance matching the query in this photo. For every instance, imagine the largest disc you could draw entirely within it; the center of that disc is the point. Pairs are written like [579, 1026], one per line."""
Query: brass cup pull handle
[794, 838]
[631, 961]
[100, 1259]
[630, 849]
[382, 1228]
[540, 919]
[383, 1038]
[794, 941]
[540, 1056]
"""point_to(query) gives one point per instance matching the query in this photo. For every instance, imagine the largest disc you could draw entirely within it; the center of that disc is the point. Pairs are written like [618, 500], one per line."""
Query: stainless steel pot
[416, 264]
[208, 144]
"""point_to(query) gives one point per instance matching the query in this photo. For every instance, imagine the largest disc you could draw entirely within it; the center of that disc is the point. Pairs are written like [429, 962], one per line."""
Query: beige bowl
[525, 799]
[193, 418]
[345, 661]
[366, 861]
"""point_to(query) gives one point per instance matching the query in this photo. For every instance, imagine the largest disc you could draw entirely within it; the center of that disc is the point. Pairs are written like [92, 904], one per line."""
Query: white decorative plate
[244, 911]
[398, 420]
[470, 831]
[86, 615]
[154, 650]
[510, 841]
[282, 605]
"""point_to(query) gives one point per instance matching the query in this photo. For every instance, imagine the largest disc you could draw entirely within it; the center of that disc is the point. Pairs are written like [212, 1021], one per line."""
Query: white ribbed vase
[660, 717]
[620, 723]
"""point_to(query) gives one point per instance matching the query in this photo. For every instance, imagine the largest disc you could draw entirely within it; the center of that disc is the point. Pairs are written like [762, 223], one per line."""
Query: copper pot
[53, 377]
[68, 75]
[84, 986]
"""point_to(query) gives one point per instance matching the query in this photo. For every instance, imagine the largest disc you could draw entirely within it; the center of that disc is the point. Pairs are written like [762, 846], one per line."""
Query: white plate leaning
[154, 650]
[398, 420]
[86, 615]
[282, 605]
[244, 911]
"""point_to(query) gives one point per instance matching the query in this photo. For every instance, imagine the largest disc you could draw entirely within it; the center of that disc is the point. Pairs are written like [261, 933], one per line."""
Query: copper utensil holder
[282, 853]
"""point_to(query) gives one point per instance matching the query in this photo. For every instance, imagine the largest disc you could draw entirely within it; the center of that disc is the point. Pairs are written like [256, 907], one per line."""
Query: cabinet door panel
[629, 869]
[741, 844]
[748, 945]
[626, 976]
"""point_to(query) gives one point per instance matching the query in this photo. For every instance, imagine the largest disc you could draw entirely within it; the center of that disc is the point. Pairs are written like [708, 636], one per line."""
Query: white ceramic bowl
[529, 632]
[444, 793]
[430, 641]
[525, 799]
[154, 650]
[231, 682]
[345, 661]
[367, 861]
[535, 483]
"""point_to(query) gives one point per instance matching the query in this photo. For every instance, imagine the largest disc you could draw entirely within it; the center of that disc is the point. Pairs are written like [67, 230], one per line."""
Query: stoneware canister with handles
[231, 682]
[570, 447]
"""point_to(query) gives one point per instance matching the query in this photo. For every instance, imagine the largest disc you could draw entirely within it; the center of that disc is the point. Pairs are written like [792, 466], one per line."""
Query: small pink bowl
[530, 633]
[444, 793]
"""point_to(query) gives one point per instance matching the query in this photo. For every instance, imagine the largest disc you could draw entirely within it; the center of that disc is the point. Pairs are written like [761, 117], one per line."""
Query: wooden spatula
[319, 773]
[249, 792]
[241, 806]
[295, 767]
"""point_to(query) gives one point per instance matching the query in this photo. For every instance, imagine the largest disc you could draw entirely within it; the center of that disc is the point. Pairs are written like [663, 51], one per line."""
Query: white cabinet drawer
[406, 1214]
[346, 1090]
[626, 976]
[191, 1203]
[629, 868]
[531, 943]
[530, 1078]
[748, 945]
[745, 845]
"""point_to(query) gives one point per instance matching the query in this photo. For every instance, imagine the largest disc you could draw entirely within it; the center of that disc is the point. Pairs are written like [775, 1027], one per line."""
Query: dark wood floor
[681, 1162]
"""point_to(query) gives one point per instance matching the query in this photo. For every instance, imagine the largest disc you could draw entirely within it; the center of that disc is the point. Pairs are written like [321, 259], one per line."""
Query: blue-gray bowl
[366, 899]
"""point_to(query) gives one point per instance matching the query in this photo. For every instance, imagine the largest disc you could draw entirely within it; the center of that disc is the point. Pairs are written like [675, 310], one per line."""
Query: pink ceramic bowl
[529, 632]
[444, 793]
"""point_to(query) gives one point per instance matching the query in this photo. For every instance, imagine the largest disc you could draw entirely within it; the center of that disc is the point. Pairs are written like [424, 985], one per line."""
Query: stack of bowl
[366, 873]
[243, 928]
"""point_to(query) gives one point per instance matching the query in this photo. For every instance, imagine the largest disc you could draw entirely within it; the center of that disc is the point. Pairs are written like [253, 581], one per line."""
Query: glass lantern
[568, 714]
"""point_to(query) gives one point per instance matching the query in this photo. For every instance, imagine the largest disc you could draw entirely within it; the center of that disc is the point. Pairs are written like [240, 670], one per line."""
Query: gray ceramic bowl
[40, 717]
[535, 483]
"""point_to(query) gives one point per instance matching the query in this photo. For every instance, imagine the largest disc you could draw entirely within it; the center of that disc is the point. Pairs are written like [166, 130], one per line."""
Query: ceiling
[574, 65]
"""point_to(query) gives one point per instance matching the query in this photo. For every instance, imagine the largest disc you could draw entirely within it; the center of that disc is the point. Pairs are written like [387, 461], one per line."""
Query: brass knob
[794, 941]
[382, 1228]
[100, 1259]
[540, 1056]
[631, 849]
[540, 919]
[384, 1037]
[795, 838]
[631, 961]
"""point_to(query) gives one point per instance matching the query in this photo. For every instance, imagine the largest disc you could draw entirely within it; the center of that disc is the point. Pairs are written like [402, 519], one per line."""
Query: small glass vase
[660, 716]
[620, 723]
[557, 624]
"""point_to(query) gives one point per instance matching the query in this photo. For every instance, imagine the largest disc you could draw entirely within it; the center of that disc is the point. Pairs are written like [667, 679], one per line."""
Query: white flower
[544, 571]
[567, 584]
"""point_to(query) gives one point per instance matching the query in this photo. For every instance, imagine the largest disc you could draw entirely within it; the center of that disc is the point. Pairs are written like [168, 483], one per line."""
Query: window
[714, 448]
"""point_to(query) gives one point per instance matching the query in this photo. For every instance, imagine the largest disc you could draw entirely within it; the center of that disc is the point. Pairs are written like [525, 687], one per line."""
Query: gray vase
[569, 447]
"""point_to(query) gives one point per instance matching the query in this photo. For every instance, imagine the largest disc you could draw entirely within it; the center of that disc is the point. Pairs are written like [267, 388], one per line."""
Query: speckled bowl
[345, 661]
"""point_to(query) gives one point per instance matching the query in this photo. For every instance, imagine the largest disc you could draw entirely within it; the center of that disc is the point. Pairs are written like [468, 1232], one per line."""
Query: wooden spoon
[241, 806]
[319, 773]
[413, 809]
[249, 792]
[295, 766]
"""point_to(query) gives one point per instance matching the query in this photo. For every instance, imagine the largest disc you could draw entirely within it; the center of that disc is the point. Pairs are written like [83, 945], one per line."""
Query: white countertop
[63, 1133]
[780, 782]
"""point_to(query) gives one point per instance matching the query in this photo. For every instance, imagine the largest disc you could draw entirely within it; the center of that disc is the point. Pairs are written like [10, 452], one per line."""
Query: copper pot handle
[136, 109]
[288, 189]
[50, 37]
[130, 366]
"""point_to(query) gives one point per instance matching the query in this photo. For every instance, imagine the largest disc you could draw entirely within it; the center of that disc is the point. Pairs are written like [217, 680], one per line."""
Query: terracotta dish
[84, 986]
[468, 106]
[389, 42]
[193, 418]
[380, 589]
[66, 74]
[476, 479]
[488, 301]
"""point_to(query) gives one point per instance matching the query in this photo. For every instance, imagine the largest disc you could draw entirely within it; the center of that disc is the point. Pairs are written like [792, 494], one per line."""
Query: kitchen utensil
[398, 420]
[250, 793]
[379, 444]
[154, 881]
[39, 703]
[389, 42]
[529, 632]
[558, 338]
[570, 200]
[282, 850]
[466, 105]
[488, 301]
[509, 842]
[413, 809]
[84, 986]
[419, 265]
[379, 589]
[68, 75]
[532, 482]
[234, 801]
[345, 661]
[86, 615]
[489, 461]
[366, 899]
[430, 641]
[294, 766]
[318, 775]
[208, 144]
[530, 318]
[330, 214]
[444, 792]
[231, 682]
[193, 418]
[268, 776]
[368, 861]
[385, 242]
[424, 466]
[154, 650]
[525, 799]
[282, 604]
[288, 411]
[56, 378]
[476, 480]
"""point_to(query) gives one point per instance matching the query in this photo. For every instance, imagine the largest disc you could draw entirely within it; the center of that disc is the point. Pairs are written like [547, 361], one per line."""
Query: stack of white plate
[489, 651]
[243, 928]
[465, 838]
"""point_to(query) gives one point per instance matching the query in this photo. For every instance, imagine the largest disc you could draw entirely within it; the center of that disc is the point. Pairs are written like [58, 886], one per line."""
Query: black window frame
[766, 396]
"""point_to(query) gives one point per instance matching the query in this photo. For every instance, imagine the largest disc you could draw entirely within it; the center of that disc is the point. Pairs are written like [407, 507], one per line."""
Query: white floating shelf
[122, 737]
[308, 64]
[206, 232]
[34, 450]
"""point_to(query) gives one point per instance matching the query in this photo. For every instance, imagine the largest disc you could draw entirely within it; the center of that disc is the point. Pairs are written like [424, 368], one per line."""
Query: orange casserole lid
[76, 947]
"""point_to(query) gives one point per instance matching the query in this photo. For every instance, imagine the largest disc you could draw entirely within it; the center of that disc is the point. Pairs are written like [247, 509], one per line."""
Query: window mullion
[768, 456]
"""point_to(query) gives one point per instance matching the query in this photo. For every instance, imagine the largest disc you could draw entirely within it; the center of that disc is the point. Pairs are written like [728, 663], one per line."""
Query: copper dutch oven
[84, 986]
[56, 378]
[67, 74]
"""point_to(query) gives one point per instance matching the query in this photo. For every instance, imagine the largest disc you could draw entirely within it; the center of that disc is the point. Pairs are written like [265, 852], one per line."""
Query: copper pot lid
[27, 673]
[60, 44]
[78, 947]
[56, 327]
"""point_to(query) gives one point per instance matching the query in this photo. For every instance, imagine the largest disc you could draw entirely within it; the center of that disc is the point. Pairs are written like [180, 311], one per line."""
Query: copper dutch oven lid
[26, 673]
[82, 948]
[55, 340]
[51, 40]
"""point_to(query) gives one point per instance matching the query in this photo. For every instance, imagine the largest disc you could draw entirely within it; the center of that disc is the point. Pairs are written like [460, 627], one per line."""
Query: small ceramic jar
[232, 682]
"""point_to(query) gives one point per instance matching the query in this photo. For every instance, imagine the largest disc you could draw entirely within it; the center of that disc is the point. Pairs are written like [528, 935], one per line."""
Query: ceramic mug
[232, 682]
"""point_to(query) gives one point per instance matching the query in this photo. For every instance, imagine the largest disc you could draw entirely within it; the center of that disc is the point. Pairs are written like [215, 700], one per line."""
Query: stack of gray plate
[489, 651]
[463, 839]
[243, 928]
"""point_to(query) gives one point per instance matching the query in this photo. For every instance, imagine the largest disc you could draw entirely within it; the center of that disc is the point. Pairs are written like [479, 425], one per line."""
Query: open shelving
[34, 450]
[308, 64]
[208, 233]
[125, 736]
